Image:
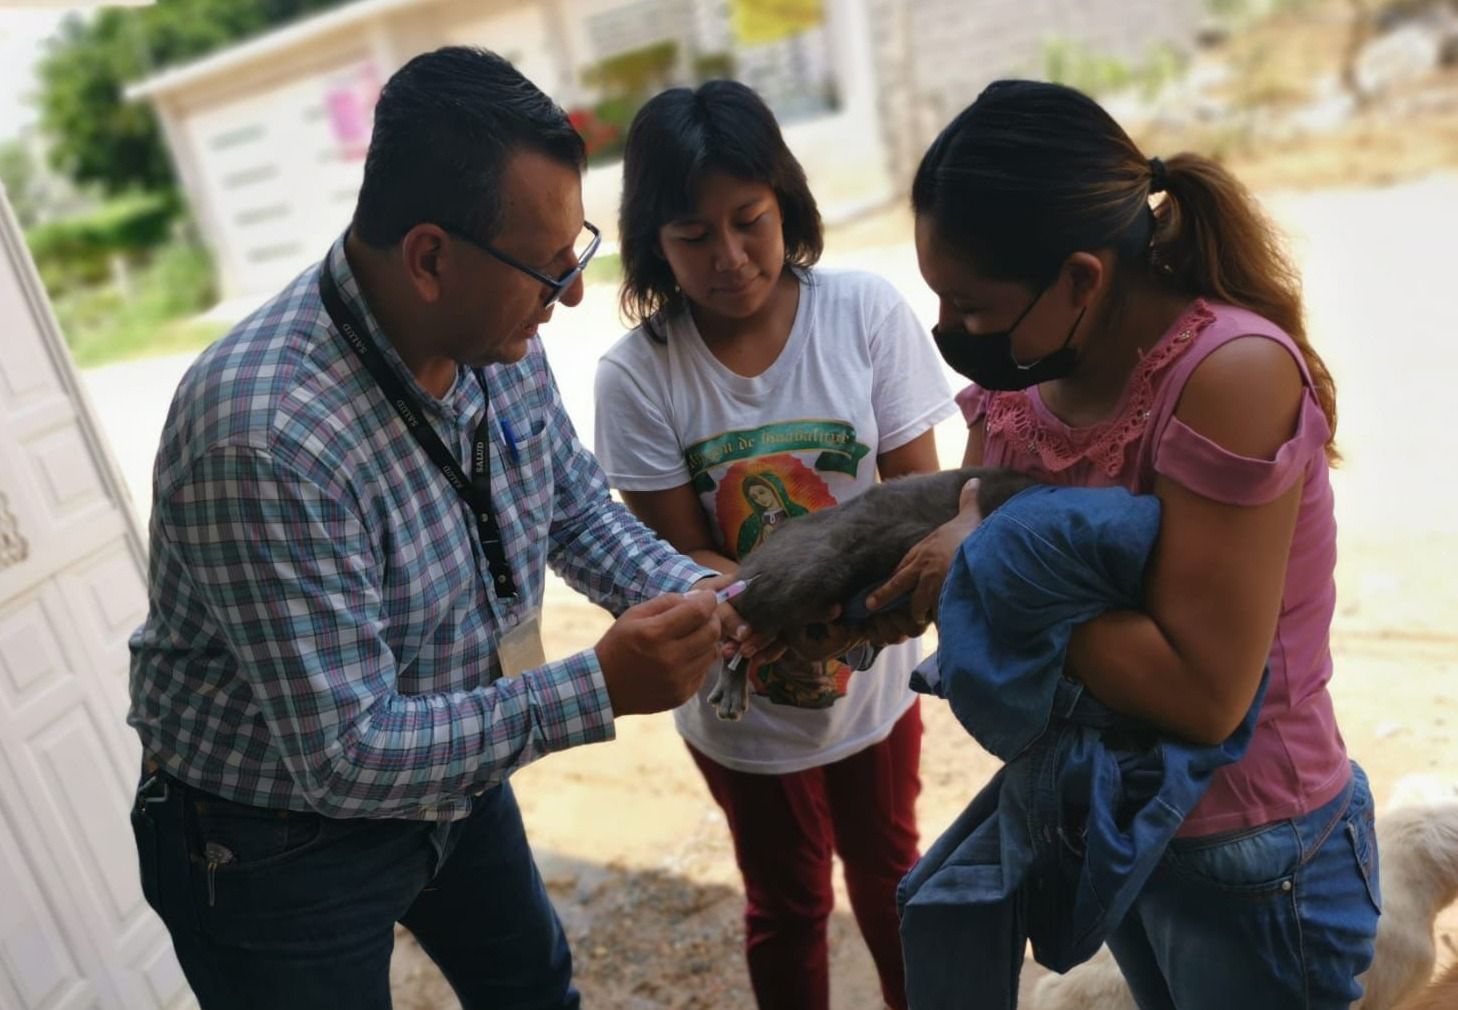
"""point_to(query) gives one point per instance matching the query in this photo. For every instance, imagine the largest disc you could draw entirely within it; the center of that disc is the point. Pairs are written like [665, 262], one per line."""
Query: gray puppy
[837, 555]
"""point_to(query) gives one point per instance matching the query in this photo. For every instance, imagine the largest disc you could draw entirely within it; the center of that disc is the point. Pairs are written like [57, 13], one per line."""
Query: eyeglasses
[557, 286]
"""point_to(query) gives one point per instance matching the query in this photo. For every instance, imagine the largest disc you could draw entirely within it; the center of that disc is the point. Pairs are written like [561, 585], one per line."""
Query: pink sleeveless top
[1296, 761]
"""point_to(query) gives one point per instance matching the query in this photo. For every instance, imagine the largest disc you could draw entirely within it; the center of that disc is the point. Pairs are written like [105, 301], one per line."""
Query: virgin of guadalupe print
[752, 491]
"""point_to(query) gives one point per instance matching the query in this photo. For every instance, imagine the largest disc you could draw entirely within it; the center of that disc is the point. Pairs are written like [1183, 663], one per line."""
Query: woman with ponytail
[1133, 322]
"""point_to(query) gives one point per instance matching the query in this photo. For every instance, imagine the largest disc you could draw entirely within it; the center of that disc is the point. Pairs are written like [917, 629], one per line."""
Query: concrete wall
[933, 57]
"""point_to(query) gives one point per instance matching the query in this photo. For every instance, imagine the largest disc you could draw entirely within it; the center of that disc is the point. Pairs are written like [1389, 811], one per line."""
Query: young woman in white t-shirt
[756, 389]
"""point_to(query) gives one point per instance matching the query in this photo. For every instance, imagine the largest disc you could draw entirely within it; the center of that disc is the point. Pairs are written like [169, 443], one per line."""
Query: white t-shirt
[858, 377]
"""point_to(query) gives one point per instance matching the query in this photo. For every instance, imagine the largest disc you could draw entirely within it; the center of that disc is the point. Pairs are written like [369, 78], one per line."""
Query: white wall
[279, 169]
[271, 173]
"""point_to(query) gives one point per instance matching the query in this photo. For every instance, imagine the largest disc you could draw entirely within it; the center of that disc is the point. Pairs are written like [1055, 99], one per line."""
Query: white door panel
[75, 931]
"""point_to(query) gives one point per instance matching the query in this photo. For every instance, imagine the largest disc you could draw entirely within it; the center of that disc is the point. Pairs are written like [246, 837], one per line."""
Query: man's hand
[655, 656]
[733, 626]
[924, 569]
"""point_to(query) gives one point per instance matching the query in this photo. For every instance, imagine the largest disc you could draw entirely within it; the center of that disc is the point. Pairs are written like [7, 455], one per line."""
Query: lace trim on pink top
[1014, 417]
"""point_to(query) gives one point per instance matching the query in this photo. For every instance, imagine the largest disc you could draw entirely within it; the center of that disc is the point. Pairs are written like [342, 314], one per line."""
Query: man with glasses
[355, 497]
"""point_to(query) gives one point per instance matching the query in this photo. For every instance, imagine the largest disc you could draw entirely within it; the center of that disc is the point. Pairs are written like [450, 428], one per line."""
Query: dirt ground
[638, 860]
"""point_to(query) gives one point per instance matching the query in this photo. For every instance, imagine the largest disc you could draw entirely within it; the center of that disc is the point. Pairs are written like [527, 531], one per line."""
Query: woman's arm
[976, 436]
[1191, 662]
[917, 456]
[676, 516]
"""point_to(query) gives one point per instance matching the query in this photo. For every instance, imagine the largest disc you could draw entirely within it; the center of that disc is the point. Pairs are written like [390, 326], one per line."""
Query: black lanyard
[475, 491]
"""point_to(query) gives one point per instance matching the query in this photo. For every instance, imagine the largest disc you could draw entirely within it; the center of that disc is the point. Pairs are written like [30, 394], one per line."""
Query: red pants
[786, 828]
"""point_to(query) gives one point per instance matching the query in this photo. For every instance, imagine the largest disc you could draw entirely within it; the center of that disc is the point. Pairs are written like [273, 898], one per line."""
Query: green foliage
[98, 136]
[714, 66]
[78, 250]
[17, 172]
[1228, 10]
[1239, 13]
[102, 324]
[1094, 73]
[1072, 63]
[626, 81]
[1163, 64]
[605, 127]
[636, 73]
[606, 268]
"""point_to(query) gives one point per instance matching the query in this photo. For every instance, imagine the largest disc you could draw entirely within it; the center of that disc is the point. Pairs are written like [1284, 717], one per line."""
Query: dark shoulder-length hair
[1032, 172]
[676, 139]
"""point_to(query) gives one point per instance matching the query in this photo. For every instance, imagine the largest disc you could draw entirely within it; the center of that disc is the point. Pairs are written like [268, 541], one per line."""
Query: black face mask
[987, 358]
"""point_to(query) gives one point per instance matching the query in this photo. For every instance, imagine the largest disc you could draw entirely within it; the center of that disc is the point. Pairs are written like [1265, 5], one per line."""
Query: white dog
[1441, 995]
[1418, 848]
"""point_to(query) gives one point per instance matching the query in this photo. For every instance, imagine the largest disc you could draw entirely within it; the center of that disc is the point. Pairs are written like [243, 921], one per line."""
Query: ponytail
[1211, 238]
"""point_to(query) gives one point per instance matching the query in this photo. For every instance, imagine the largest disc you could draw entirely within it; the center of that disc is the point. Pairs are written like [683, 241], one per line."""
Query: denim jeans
[1283, 915]
[276, 910]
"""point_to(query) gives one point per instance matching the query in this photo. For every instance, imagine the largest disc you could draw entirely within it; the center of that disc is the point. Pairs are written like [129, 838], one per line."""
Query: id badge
[521, 648]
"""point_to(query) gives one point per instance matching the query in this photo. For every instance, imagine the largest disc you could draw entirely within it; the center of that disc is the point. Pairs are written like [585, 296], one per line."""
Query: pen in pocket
[509, 437]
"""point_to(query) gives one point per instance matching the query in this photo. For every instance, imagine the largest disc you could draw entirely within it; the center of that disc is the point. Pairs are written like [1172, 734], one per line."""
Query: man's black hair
[445, 125]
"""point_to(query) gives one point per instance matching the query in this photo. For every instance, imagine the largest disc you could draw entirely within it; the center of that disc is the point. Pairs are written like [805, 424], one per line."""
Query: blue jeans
[276, 910]
[1282, 915]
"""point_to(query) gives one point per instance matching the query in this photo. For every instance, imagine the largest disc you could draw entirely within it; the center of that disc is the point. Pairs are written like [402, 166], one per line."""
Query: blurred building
[269, 135]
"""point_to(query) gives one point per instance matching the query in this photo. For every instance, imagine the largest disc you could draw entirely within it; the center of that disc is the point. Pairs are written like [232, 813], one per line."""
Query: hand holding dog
[656, 654]
[924, 569]
[732, 625]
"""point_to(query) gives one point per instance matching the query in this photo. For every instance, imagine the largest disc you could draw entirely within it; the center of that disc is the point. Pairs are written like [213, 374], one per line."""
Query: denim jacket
[1057, 846]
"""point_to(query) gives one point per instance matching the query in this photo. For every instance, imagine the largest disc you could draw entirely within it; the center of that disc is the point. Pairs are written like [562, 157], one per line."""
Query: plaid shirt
[321, 634]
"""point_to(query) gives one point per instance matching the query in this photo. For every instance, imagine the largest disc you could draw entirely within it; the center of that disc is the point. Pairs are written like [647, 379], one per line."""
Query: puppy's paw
[730, 696]
[734, 703]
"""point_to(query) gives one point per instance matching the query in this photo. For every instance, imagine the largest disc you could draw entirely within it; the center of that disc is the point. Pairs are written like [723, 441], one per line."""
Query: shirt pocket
[530, 478]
